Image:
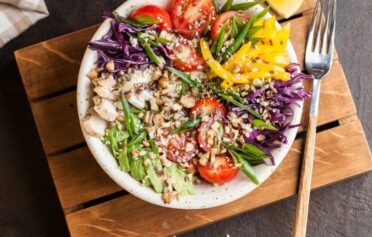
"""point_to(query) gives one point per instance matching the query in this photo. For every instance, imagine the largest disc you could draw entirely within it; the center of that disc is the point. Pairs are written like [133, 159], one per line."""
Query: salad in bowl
[190, 104]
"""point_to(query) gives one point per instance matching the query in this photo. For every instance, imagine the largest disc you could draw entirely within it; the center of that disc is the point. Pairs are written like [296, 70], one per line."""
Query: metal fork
[318, 62]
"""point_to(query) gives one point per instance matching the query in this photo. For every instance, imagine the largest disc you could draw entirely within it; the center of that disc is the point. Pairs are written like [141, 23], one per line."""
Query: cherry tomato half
[158, 13]
[222, 171]
[208, 106]
[186, 58]
[225, 17]
[190, 18]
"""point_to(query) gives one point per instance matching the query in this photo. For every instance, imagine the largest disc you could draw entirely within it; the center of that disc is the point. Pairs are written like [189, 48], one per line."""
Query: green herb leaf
[186, 78]
[262, 125]
[216, 6]
[244, 6]
[138, 138]
[187, 126]
[221, 39]
[146, 20]
[162, 40]
[237, 103]
[127, 21]
[226, 7]
[239, 21]
[234, 28]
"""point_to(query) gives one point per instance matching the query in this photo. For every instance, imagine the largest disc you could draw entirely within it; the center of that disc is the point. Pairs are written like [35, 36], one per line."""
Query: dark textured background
[28, 201]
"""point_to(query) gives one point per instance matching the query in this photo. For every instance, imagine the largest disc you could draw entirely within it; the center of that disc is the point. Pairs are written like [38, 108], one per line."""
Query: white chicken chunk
[94, 125]
[106, 109]
[104, 88]
[137, 98]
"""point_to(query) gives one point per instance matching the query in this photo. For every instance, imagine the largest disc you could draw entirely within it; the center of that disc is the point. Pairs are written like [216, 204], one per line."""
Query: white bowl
[206, 195]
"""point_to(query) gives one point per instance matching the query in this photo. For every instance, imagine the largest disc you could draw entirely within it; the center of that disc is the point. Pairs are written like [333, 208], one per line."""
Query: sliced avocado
[155, 180]
[180, 184]
[137, 169]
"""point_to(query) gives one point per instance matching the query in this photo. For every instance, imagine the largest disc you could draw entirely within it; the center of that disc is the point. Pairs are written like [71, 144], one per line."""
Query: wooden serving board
[95, 206]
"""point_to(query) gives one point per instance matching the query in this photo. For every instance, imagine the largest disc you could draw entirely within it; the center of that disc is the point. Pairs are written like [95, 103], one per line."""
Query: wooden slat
[334, 161]
[59, 60]
[53, 65]
[58, 124]
[79, 179]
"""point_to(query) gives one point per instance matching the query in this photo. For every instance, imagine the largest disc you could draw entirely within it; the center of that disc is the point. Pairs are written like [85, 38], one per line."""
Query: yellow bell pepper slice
[269, 29]
[284, 76]
[245, 54]
[263, 67]
[281, 38]
[281, 60]
[212, 63]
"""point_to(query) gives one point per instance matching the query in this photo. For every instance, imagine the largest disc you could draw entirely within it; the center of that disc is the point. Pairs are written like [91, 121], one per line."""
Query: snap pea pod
[262, 125]
[154, 179]
[123, 157]
[137, 169]
[150, 53]
[245, 167]
[129, 122]
[242, 35]
[244, 6]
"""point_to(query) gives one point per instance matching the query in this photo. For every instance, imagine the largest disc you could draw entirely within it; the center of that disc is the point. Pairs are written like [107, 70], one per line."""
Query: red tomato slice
[186, 58]
[208, 106]
[221, 19]
[158, 13]
[191, 17]
[222, 171]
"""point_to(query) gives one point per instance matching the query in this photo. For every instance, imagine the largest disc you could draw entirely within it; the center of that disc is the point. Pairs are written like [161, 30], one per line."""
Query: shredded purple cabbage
[115, 46]
[281, 96]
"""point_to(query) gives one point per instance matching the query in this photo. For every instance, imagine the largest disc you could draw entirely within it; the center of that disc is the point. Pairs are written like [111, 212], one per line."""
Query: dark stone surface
[28, 201]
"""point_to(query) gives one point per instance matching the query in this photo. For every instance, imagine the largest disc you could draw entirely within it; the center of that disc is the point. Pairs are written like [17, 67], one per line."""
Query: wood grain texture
[112, 219]
[78, 178]
[52, 65]
[305, 179]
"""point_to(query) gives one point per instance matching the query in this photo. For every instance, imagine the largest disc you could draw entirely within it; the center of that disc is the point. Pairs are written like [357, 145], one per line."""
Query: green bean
[150, 53]
[242, 34]
[127, 21]
[221, 39]
[146, 20]
[162, 40]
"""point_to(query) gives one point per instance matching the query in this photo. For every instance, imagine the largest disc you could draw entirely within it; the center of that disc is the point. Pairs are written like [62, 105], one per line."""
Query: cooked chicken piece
[136, 77]
[187, 101]
[139, 99]
[94, 125]
[106, 109]
[104, 88]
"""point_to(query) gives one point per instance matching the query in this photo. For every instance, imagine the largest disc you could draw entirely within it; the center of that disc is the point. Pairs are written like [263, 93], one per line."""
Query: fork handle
[305, 181]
